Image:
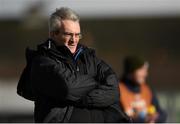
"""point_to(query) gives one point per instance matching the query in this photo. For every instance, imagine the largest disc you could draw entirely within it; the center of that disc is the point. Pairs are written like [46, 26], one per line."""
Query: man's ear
[51, 34]
[54, 33]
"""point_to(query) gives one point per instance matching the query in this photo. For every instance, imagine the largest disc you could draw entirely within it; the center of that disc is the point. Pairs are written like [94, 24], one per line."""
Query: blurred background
[115, 28]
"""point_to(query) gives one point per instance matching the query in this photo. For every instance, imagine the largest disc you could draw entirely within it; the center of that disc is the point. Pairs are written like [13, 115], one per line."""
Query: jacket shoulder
[41, 60]
[90, 51]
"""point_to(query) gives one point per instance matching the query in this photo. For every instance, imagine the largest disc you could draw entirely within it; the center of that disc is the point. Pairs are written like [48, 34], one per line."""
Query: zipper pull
[49, 44]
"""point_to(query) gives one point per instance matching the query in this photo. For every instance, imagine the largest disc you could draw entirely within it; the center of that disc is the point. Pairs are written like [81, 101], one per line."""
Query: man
[137, 99]
[69, 82]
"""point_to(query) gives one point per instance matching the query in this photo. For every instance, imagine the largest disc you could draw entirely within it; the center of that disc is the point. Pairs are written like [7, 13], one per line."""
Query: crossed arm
[48, 83]
[106, 92]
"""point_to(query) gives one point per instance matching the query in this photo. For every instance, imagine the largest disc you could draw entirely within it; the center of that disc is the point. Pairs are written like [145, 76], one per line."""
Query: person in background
[137, 99]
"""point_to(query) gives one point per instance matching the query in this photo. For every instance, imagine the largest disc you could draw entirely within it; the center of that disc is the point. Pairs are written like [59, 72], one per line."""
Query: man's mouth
[72, 45]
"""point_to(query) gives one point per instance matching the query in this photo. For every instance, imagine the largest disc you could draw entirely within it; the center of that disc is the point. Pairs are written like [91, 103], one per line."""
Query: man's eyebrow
[71, 32]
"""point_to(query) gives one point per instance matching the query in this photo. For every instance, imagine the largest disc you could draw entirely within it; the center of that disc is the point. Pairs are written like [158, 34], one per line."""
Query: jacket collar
[60, 51]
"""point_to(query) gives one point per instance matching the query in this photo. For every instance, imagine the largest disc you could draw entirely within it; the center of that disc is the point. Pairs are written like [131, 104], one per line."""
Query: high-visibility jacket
[131, 101]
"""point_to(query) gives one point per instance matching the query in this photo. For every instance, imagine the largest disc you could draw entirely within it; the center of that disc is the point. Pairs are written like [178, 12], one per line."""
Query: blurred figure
[137, 99]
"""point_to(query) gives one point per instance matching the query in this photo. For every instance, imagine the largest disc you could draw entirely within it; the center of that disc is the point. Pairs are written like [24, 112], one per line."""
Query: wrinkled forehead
[70, 26]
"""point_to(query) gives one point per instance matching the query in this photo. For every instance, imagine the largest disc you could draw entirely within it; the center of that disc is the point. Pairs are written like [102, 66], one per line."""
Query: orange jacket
[132, 102]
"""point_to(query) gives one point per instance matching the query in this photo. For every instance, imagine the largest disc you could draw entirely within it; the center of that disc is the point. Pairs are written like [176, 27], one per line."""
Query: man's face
[139, 76]
[68, 35]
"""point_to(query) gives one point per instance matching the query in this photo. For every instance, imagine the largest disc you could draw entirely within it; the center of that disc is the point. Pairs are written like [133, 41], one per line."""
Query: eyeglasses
[71, 35]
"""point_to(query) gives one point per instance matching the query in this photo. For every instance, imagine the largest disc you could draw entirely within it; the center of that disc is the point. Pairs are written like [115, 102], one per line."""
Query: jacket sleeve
[46, 81]
[162, 114]
[106, 95]
[106, 92]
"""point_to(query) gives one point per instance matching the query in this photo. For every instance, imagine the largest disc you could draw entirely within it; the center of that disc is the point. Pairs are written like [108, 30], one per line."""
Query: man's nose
[72, 39]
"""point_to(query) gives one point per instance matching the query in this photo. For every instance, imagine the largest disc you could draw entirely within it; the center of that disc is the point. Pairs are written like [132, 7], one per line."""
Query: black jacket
[73, 88]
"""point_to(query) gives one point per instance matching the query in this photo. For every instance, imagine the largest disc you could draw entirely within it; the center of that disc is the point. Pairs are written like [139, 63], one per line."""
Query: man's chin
[72, 48]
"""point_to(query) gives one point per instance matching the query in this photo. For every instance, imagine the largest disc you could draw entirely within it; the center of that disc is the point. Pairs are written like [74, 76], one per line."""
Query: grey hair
[60, 14]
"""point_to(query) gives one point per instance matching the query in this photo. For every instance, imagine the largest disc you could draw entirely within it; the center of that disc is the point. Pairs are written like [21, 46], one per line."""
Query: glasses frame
[70, 35]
